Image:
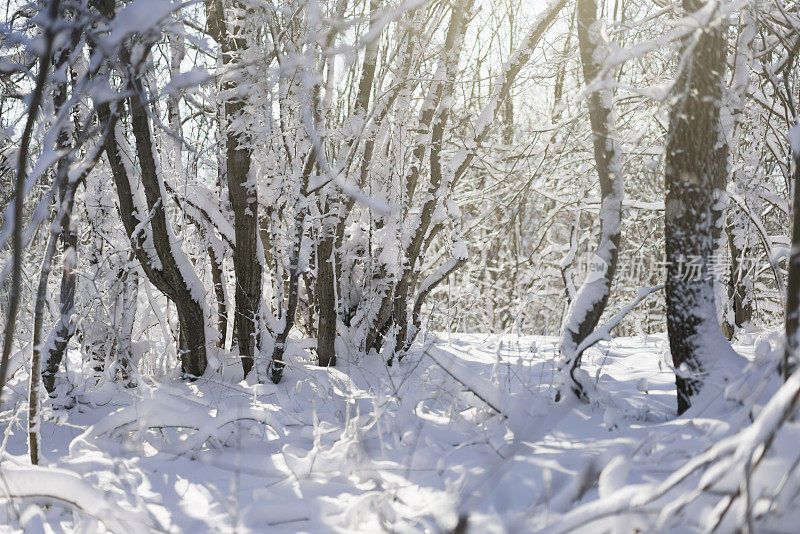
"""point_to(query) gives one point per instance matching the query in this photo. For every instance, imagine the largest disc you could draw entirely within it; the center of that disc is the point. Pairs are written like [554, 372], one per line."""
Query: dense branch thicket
[193, 189]
[328, 167]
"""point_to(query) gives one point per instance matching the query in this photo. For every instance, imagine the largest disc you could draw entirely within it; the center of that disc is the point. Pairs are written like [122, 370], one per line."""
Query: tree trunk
[792, 346]
[590, 301]
[740, 288]
[738, 230]
[279, 350]
[328, 264]
[246, 264]
[219, 295]
[169, 278]
[719, 208]
[69, 242]
[692, 162]
[326, 298]
[243, 196]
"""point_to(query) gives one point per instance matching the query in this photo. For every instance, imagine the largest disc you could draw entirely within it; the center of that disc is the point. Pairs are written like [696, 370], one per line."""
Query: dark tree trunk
[739, 288]
[246, 264]
[792, 346]
[692, 163]
[243, 196]
[168, 279]
[326, 299]
[328, 265]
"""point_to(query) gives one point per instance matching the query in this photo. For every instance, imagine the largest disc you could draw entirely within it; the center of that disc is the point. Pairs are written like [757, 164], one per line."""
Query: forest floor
[466, 425]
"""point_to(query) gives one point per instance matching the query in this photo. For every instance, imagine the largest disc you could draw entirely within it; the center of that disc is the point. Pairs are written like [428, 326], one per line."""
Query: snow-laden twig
[19, 193]
[501, 90]
[604, 332]
[475, 385]
[749, 446]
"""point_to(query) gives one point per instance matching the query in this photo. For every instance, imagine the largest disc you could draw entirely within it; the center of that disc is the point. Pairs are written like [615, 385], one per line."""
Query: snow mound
[465, 427]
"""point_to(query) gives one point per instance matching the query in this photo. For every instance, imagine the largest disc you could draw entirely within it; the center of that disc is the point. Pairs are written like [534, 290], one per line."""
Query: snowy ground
[367, 448]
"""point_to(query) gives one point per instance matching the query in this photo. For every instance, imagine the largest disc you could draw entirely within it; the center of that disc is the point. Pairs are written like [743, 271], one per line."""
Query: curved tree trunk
[590, 301]
[165, 266]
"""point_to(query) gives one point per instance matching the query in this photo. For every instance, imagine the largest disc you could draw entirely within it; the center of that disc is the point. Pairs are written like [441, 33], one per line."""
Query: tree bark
[246, 264]
[739, 225]
[691, 167]
[335, 210]
[590, 301]
[162, 270]
[219, 295]
[326, 298]
[69, 243]
[792, 324]
[242, 194]
[740, 288]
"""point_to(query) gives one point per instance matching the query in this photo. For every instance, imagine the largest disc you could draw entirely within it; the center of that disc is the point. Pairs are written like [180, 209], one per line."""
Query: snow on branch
[55, 485]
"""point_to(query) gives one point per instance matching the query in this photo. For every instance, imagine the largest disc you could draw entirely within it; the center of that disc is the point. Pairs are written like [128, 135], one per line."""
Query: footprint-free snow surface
[464, 432]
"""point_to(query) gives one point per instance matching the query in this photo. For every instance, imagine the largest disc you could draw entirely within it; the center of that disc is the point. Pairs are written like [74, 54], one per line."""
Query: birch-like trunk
[739, 227]
[54, 352]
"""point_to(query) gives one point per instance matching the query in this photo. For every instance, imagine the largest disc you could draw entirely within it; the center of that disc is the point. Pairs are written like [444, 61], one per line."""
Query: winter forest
[400, 265]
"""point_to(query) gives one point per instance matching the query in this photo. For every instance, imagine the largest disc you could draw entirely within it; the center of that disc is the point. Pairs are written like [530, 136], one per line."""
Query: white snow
[794, 140]
[138, 17]
[464, 424]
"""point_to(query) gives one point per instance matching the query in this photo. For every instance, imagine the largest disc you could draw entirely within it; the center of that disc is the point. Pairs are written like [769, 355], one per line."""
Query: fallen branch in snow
[151, 413]
[474, 385]
[60, 485]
